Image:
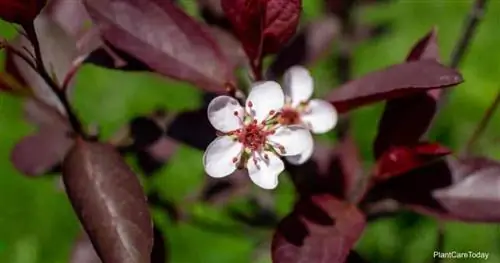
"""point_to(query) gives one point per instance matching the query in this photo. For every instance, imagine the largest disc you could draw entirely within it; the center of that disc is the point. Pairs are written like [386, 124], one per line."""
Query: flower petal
[263, 98]
[298, 84]
[302, 157]
[295, 139]
[218, 157]
[221, 113]
[264, 171]
[320, 116]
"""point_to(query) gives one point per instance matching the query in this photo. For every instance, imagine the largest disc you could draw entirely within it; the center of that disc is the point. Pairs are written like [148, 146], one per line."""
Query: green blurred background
[37, 224]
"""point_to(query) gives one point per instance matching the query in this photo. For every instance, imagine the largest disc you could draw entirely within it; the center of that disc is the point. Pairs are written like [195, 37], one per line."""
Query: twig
[56, 89]
[485, 120]
[439, 241]
[471, 23]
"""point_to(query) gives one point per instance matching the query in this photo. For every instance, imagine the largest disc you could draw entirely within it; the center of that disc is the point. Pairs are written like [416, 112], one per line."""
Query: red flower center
[289, 116]
[252, 136]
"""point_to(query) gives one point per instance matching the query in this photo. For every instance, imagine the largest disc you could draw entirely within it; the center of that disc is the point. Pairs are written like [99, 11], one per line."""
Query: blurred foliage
[37, 224]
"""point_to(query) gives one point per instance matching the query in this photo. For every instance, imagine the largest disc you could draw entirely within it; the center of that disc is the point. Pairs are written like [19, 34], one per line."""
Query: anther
[272, 112]
[250, 104]
[235, 159]
[235, 113]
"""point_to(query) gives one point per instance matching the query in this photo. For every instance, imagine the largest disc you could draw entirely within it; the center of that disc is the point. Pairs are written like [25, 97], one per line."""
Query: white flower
[317, 115]
[252, 137]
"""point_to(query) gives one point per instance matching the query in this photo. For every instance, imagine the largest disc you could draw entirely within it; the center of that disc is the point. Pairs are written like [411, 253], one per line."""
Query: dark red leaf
[330, 170]
[70, 15]
[263, 26]
[400, 159]
[20, 12]
[426, 48]
[477, 196]
[311, 43]
[321, 229]
[464, 190]
[414, 188]
[58, 50]
[393, 82]
[406, 119]
[83, 251]
[163, 37]
[38, 153]
[231, 46]
[109, 201]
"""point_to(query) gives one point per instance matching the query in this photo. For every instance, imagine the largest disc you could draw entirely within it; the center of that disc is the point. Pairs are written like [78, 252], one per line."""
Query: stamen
[235, 159]
[250, 104]
[235, 113]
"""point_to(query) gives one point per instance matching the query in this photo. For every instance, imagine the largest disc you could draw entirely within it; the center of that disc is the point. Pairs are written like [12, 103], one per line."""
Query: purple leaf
[406, 119]
[321, 229]
[334, 171]
[400, 159]
[393, 82]
[20, 12]
[263, 27]
[310, 44]
[163, 37]
[58, 51]
[38, 153]
[464, 190]
[109, 201]
[477, 196]
[70, 15]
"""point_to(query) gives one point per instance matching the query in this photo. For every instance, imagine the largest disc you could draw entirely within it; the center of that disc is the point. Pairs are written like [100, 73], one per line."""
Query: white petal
[298, 84]
[264, 172]
[302, 157]
[295, 139]
[320, 116]
[218, 157]
[221, 113]
[264, 97]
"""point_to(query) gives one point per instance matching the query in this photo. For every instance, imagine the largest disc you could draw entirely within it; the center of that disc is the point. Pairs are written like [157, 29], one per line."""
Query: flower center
[253, 136]
[289, 116]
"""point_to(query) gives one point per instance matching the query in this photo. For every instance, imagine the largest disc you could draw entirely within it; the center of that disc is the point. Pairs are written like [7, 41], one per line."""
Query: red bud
[20, 11]
[263, 26]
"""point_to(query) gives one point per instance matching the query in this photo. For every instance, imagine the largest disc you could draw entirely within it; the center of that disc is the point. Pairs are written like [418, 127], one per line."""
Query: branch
[461, 47]
[485, 120]
[56, 89]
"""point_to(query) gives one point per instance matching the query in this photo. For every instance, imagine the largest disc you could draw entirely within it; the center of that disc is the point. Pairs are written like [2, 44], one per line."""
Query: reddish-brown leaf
[393, 82]
[321, 229]
[109, 201]
[330, 170]
[38, 153]
[450, 189]
[263, 26]
[20, 12]
[477, 196]
[163, 37]
[406, 119]
[400, 159]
